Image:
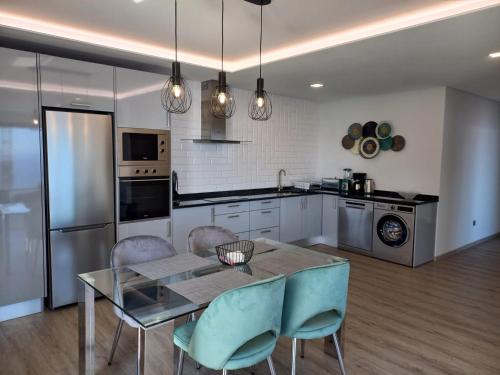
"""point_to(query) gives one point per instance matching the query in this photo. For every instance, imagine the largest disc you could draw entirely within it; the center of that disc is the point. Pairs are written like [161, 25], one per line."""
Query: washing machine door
[392, 230]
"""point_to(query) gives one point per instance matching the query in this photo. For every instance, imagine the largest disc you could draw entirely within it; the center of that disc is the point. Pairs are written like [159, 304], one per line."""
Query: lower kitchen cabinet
[300, 218]
[160, 228]
[185, 220]
[330, 220]
[235, 222]
[270, 233]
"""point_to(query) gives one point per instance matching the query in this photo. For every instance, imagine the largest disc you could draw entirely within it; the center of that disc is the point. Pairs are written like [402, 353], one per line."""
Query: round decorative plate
[369, 147]
[355, 131]
[386, 143]
[355, 148]
[369, 129]
[383, 130]
[347, 142]
[398, 143]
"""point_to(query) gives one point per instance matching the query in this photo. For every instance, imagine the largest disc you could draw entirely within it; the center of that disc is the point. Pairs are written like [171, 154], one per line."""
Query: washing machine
[393, 232]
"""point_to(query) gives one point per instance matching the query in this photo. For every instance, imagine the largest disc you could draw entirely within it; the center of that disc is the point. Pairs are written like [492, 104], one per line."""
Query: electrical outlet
[473, 223]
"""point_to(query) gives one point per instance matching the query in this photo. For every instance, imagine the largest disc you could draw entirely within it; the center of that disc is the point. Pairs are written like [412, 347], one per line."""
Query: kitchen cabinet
[300, 218]
[159, 228]
[185, 220]
[76, 84]
[271, 233]
[264, 218]
[235, 222]
[138, 102]
[330, 220]
[291, 211]
[22, 249]
[312, 217]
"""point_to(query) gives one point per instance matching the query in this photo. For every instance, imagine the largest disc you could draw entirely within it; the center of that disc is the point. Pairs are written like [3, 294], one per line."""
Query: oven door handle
[143, 179]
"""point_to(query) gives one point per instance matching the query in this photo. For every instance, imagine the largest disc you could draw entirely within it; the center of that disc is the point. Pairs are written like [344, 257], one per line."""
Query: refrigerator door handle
[82, 227]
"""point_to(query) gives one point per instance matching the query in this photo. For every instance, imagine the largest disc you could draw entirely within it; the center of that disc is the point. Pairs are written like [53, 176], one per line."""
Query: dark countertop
[211, 198]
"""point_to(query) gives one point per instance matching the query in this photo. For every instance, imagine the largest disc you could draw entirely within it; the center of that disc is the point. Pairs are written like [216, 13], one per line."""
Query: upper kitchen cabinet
[138, 100]
[21, 216]
[75, 84]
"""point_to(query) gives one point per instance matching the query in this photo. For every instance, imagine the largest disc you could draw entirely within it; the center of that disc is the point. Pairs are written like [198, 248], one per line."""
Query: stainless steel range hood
[213, 129]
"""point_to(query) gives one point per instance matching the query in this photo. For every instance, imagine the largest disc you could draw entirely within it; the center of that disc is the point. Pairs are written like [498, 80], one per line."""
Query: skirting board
[468, 246]
[20, 309]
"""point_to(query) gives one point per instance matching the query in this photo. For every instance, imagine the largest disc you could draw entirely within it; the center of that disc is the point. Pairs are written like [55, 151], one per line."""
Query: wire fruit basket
[235, 253]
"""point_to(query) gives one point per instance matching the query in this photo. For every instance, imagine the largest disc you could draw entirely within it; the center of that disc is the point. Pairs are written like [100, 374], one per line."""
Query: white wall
[417, 115]
[470, 176]
[287, 140]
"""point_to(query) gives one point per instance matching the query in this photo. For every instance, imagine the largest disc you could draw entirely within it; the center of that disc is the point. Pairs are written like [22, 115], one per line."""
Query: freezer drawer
[355, 224]
[74, 252]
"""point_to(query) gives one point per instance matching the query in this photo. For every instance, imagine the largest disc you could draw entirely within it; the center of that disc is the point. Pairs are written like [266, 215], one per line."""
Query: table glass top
[153, 301]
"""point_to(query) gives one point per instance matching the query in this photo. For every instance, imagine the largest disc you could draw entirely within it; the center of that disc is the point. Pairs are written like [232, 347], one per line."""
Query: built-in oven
[144, 198]
[143, 147]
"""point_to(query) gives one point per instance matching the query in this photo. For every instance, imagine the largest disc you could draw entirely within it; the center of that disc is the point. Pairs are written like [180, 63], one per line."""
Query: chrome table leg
[86, 329]
[118, 332]
[294, 355]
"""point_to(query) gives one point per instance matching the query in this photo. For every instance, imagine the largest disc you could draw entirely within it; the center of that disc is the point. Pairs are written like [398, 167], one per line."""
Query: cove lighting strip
[440, 11]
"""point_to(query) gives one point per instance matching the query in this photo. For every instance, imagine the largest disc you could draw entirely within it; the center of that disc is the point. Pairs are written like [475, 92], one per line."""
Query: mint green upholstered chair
[238, 329]
[315, 304]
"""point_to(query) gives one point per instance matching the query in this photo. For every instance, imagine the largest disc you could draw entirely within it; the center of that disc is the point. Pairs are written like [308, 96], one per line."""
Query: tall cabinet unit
[22, 255]
[330, 220]
[76, 84]
[138, 105]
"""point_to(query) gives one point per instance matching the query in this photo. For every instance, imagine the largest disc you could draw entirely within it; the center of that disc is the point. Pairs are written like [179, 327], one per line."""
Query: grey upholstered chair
[133, 250]
[204, 238]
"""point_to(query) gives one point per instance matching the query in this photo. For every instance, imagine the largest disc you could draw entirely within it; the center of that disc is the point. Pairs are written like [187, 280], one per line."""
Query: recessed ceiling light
[495, 55]
[137, 1]
[316, 85]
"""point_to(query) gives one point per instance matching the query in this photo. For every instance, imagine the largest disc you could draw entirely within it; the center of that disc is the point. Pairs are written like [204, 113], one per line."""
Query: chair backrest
[236, 317]
[314, 291]
[203, 238]
[140, 249]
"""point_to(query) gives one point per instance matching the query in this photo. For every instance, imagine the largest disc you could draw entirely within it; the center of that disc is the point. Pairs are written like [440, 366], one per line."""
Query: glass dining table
[160, 302]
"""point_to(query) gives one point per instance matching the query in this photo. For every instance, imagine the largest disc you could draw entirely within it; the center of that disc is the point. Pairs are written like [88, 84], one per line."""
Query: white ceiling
[359, 47]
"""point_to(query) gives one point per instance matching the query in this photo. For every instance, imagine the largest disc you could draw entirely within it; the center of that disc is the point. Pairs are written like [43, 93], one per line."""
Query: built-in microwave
[143, 147]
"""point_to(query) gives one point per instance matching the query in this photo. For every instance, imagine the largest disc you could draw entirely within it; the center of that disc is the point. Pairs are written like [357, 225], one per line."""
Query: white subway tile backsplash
[287, 140]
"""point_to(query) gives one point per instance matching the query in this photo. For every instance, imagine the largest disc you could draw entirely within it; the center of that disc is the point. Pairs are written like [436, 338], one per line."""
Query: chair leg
[302, 348]
[271, 365]
[339, 354]
[294, 355]
[180, 365]
[224, 372]
[118, 332]
[192, 318]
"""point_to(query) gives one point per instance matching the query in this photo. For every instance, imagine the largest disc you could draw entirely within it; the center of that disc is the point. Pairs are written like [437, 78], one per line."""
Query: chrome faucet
[280, 183]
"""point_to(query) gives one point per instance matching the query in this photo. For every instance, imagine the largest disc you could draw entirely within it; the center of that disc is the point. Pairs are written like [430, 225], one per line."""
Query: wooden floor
[442, 318]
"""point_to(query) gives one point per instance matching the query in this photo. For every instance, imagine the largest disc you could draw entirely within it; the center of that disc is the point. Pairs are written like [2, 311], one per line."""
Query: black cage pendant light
[175, 94]
[260, 107]
[222, 103]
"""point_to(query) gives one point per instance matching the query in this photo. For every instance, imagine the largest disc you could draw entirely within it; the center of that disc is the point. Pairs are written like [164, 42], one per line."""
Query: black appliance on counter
[175, 188]
[358, 183]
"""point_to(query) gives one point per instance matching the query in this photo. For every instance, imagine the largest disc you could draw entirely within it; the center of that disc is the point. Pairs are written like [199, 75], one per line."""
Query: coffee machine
[358, 183]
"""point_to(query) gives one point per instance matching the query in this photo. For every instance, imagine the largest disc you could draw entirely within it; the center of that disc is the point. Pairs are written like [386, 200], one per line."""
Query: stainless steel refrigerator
[81, 203]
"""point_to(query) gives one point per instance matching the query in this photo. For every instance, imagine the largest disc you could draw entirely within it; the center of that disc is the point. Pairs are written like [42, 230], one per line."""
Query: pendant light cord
[175, 30]
[260, 46]
[222, 53]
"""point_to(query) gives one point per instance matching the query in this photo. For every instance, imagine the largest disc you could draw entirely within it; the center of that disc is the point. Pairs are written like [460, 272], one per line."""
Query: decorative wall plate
[398, 143]
[347, 142]
[355, 131]
[369, 147]
[383, 130]
[385, 144]
[355, 148]
[369, 129]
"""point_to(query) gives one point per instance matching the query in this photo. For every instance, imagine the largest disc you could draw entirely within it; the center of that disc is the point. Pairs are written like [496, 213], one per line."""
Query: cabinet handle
[233, 205]
[265, 231]
[81, 105]
[213, 215]
[266, 212]
[233, 216]
[266, 202]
